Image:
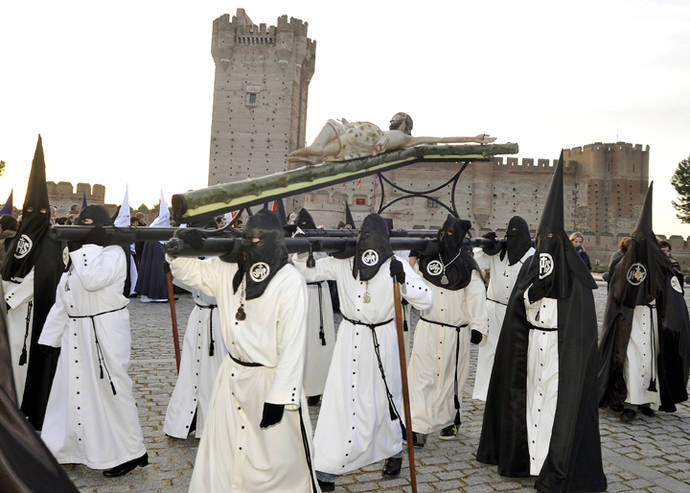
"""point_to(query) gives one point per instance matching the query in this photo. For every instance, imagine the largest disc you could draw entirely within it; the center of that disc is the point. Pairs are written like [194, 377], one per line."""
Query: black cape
[574, 459]
[573, 462]
[659, 283]
[151, 280]
[26, 464]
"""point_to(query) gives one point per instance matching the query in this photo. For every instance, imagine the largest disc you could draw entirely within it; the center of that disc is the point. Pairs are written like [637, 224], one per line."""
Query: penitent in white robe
[198, 368]
[19, 296]
[320, 337]
[235, 454]
[542, 377]
[355, 426]
[439, 353]
[86, 422]
[502, 279]
[641, 357]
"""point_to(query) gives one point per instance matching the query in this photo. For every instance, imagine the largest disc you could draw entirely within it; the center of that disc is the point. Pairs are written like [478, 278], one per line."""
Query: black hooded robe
[574, 459]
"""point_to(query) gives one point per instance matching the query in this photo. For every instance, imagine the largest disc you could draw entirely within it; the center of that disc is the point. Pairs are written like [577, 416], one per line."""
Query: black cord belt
[496, 301]
[211, 344]
[371, 326]
[243, 363]
[393, 411]
[545, 329]
[322, 333]
[99, 350]
[456, 327]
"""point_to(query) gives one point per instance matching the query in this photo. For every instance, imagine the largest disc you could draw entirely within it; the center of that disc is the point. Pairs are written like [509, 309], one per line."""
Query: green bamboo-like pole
[240, 193]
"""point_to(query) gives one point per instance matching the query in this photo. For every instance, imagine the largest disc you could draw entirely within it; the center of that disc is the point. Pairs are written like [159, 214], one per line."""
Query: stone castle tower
[260, 95]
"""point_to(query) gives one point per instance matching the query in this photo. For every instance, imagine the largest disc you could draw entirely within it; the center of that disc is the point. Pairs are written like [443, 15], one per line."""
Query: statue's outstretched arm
[481, 139]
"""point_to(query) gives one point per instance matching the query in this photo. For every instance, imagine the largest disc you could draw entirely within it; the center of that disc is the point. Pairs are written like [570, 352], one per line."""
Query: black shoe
[313, 400]
[326, 486]
[392, 466]
[627, 415]
[646, 410]
[449, 432]
[418, 439]
[125, 467]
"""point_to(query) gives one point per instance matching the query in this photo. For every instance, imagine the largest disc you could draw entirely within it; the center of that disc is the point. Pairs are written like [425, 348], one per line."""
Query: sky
[122, 92]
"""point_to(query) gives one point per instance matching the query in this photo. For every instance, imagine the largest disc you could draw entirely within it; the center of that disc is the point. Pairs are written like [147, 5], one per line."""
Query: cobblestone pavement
[649, 454]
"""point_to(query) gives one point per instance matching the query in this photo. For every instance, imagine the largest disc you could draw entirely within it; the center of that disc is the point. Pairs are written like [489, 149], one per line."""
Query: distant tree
[143, 208]
[681, 182]
[2, 167]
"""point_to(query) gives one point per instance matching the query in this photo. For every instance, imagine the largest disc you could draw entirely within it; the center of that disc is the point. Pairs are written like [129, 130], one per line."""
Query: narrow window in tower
[251, 98]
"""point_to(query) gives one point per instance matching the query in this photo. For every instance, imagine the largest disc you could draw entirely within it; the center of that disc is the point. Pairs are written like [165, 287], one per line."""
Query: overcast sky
[122, 91]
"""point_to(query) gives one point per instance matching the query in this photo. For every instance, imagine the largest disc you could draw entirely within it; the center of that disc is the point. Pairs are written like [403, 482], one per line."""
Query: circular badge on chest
[24, 246]
[675, 284]
[370, 257]
[545, 265]
[259, 271]
[65, 256]
[636, 274]
[434, 268]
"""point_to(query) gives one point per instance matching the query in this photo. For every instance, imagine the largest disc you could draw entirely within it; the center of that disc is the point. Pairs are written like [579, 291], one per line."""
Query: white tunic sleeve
[414, 289]
[16, 294]
[203, 275]
[291, 346]
[542, 313]
[98, 267]
[324, 270]
[475, 304]
[483, 260]
[56, 322]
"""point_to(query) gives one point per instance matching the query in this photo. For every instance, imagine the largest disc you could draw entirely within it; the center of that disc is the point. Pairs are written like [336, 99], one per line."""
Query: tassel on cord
[212, 344]
[24, 355]
[311, 263]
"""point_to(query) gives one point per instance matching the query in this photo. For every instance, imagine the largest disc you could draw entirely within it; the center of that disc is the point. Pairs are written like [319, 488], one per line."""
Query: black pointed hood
[304, 220]
[21, 255]
[518, 240]
[348, 216]
[451, 267]
[644, 267]
[280, 211]
[373, 247]
[261, 261]
[556, 263]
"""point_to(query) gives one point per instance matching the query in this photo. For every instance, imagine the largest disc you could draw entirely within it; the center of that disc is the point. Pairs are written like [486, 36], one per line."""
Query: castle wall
[63, 195]
[260, 95]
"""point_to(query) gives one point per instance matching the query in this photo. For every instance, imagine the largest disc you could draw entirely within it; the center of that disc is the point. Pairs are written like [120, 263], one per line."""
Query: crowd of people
[261, 346]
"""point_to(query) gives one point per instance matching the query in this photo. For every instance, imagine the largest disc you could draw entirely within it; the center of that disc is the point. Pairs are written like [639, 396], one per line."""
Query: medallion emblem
[636, 274]
[545, 265]
[675, 284]
[434, 268]
[24, 246]
[370, 257]
[259, 271]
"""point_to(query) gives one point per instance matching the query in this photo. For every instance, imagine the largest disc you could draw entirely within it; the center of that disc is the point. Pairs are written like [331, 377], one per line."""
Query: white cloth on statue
[85, 422]
[640, 359]
[502, 279]
[542, 378]
[355, 426]
[433, 364]
[20, 318]
[235, 454]
[198, 368]
[319, 349]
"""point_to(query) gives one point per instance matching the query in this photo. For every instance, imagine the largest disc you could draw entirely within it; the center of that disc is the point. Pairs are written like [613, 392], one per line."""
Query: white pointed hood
[123, 218]
[163, 219]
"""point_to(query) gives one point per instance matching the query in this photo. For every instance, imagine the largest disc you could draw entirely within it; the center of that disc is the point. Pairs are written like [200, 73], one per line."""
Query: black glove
[96, 236]
[397, 271]
[235, 254]
[273, 413]
[536, 292]
[494, 247]
[192, 237]
[166, 267]
[476, 336]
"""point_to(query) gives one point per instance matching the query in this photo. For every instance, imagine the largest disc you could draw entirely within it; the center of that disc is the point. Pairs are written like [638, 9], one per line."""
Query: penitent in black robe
[574, 459]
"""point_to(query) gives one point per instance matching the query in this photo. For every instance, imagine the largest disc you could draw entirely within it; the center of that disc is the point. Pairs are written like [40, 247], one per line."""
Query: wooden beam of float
[225, 197]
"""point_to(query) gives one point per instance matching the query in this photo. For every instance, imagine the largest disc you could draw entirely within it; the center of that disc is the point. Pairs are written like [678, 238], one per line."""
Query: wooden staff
[403, 372]
[173, 317]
